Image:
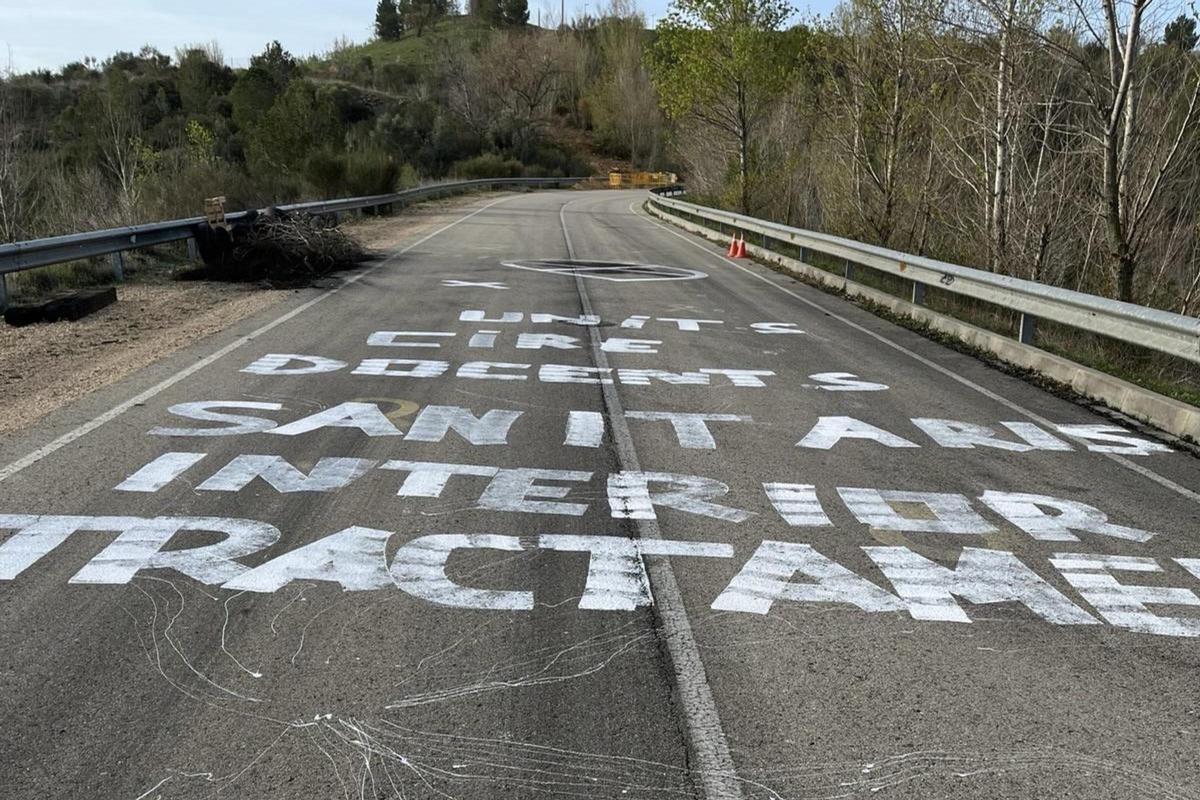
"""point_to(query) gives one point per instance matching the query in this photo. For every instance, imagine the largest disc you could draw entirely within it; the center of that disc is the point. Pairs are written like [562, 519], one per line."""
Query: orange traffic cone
[732, 247]
[741, 248]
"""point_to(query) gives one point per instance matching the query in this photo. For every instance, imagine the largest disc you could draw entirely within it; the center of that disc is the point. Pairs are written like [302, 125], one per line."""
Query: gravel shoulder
[43, 367]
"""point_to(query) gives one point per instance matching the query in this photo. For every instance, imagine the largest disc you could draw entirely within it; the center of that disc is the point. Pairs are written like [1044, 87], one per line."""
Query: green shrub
[326, 171]
[488, 165]
[370, 172]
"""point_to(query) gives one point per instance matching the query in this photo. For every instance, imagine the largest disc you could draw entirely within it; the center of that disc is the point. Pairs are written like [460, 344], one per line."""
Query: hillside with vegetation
[143, 136]
[1057, 141]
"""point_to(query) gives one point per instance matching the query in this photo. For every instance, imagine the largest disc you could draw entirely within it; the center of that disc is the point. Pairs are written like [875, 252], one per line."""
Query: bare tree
[1144, 104]
[15, 175]
[625, 104]
[493, 85]
[119, 136]
[881, 95]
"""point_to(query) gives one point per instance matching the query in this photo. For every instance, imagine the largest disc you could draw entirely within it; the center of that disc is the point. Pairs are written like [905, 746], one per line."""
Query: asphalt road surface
[501, 518]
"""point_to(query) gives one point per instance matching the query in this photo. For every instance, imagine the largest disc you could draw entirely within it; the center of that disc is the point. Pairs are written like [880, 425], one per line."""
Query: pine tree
[489, 11]
[514, 12]
[388, 25]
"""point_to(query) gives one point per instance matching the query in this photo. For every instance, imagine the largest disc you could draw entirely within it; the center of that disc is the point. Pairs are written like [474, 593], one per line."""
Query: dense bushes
[488, 165]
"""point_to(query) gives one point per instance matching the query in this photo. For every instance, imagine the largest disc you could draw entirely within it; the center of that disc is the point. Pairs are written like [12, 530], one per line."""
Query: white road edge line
[116, 411]
[1145, 472]
[704, 730]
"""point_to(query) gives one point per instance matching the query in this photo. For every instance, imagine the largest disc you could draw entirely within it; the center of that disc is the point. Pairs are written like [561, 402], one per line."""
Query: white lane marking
[1145, 472]
[717, 773]
[117, 410]
[455, 284]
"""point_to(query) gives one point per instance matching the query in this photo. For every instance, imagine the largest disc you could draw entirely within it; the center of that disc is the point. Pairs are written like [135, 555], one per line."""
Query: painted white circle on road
[618, 271]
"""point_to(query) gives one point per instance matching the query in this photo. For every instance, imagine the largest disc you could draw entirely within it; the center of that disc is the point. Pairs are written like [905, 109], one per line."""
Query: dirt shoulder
[46, 366]
[43, 367]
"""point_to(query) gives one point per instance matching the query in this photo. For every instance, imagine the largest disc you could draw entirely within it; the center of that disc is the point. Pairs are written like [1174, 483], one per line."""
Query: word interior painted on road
[616, 580]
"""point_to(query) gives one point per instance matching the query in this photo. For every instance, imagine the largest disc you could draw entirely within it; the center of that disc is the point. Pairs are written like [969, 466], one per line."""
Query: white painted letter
[1124, 605]
[630, 497]
[1025, 511]
[386, 368]
[690, 429]
[389, 339]
[1119, 440]
[981, 576]
[511, 488]
[159, 472]
[619, 345]
[766, 577]
[35, 537]
[797, 503]
[329, 474]
[643, 377]
[685, 324]
[434, 422]
[140, 547]
[776, 327]
[237, 424]
[481, 316]
[845, 382]
[428, 479]
[482, 371]
[553, 341]
[419, 569]
[274, 364]
[952, 513]
[742, 377]
[365, 416]
[356, 558]
[584, 429]
[966, 436]
[616, 579]
[830, 430]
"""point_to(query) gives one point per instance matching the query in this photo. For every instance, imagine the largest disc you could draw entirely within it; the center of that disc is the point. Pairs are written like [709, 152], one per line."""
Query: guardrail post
[193, 252]
[1028, 328]
[918, 293]
[118, 266]
[849, 269]
[3, 293]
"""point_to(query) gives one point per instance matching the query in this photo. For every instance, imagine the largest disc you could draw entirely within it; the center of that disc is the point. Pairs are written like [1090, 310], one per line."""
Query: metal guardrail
[1164, 331]
[19, 256]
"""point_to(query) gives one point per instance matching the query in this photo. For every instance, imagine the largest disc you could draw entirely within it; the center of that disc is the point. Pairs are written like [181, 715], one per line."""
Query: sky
[36, 34]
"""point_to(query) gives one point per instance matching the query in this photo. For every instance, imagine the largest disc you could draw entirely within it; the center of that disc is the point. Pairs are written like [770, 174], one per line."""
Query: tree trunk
[998, 219]
[743, 149]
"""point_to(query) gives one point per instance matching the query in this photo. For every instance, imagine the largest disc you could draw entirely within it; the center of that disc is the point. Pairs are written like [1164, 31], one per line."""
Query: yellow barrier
[640, 179]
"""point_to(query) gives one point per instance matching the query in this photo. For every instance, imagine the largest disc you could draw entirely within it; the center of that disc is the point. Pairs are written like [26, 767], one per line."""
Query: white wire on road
[706, 736]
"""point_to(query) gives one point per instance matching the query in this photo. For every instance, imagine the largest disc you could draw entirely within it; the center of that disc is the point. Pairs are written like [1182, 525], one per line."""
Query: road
[491, 520]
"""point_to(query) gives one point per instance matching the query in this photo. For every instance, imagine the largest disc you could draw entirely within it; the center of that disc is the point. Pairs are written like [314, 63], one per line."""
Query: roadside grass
[1172, 377]
[154, 264]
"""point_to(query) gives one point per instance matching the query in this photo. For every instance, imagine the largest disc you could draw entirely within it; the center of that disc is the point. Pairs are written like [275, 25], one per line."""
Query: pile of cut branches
[278, 247]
